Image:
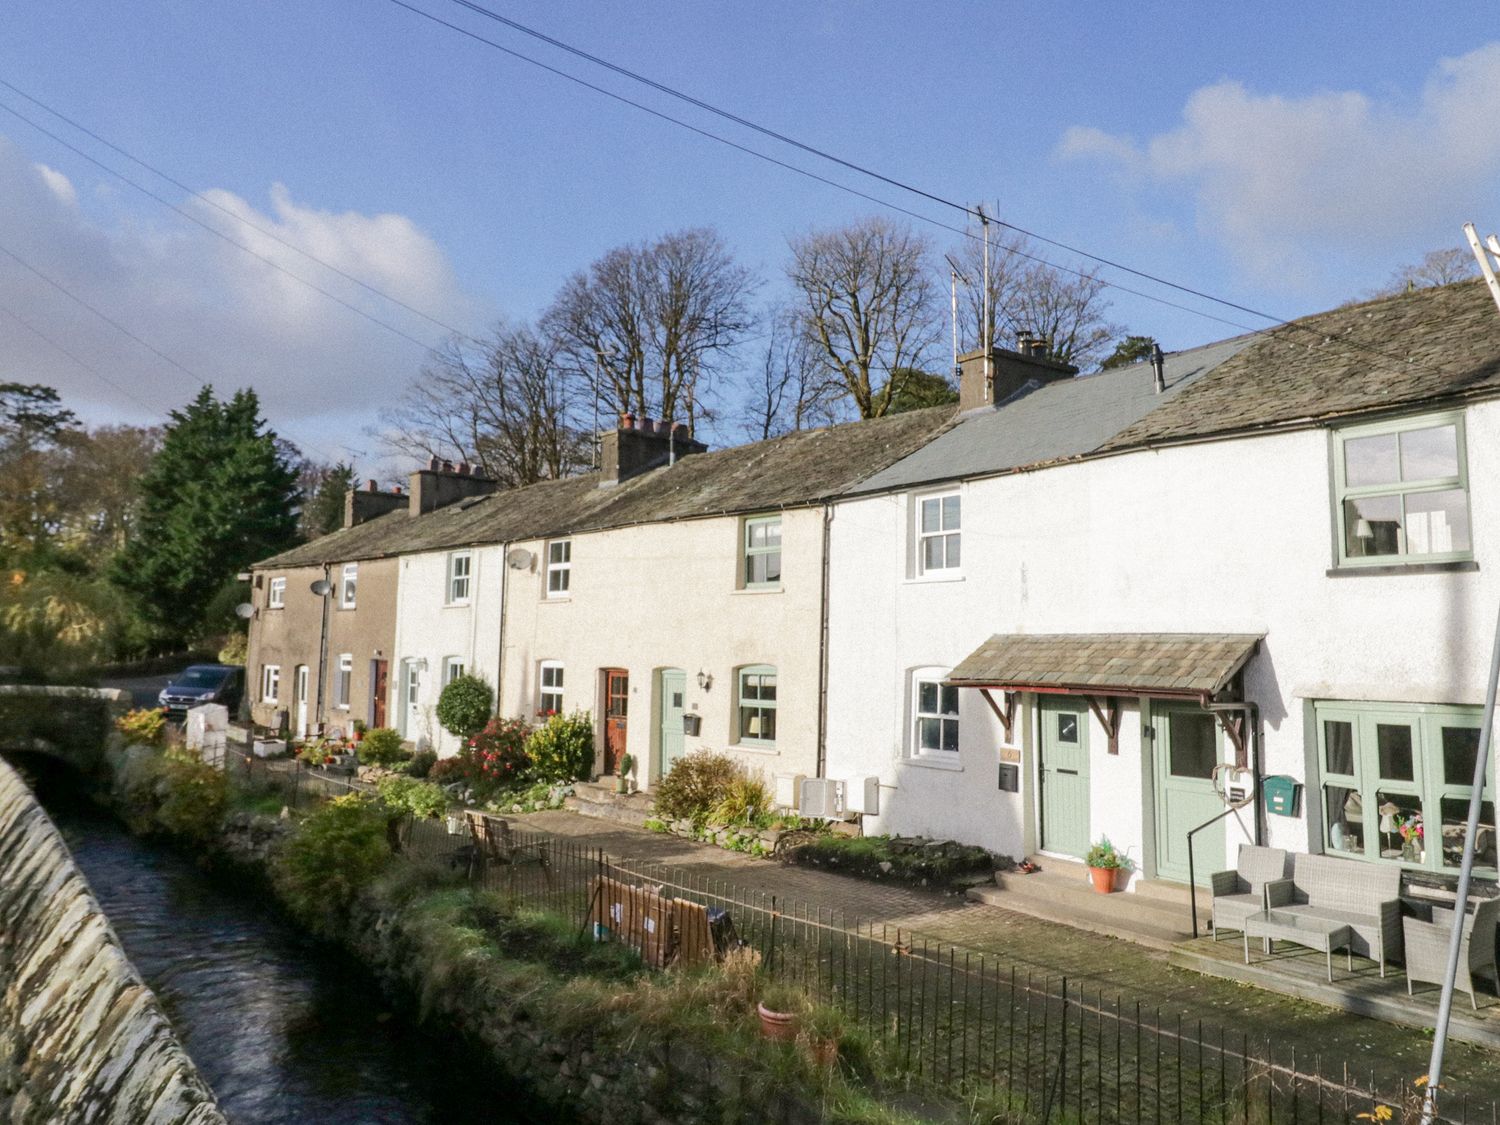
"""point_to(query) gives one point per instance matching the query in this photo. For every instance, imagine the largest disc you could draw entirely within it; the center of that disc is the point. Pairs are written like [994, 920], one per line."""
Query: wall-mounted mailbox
[692, 724]
[1280, 793]
[1010, 778]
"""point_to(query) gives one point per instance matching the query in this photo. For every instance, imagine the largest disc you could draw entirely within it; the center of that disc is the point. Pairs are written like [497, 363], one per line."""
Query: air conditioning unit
[863, 796]
[788, 790]
[822, 798]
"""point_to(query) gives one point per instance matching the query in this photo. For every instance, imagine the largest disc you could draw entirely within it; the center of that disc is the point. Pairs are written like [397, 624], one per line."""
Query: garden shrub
[145, 726]
[315, 752]
[381, 747]
[562, 749]
[422, 799]
[421, 763]
[495, 759]
[194, 796]
[745, 801]
[465, 705]
[696, 785]
[334, 853]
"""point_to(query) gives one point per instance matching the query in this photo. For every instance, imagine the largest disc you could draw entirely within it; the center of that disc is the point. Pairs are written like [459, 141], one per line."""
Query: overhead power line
[89, 367]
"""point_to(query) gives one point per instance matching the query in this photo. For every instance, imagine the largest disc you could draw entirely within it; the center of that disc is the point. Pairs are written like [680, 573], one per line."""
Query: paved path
[1090, 960]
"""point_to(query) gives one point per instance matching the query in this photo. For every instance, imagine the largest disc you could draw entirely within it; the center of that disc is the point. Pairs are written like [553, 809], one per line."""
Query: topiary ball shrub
[562, 748]
[381, 747]
[465, 705]
[696, 785]
[335, 852]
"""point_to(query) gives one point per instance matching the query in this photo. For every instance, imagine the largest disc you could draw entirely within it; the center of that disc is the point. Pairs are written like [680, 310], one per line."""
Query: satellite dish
[322, 587]
[519, 559]
[245, 610]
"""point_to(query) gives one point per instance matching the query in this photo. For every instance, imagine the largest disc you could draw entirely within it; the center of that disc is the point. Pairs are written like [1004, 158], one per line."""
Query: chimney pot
[647, 424]
[433, 464]
[463, 468]
[396, 488]
[370, 486]
[627, 421]
[679, 429]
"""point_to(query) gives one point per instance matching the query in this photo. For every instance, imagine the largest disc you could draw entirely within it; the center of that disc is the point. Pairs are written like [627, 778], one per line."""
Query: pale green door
[1065, 775]
[673, 691]
[1187, 747]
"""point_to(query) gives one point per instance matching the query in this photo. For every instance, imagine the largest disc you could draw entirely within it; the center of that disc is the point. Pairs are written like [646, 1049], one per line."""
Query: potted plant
[622, 780]
[779, 1007]
[823, 1028]
[1104, 864]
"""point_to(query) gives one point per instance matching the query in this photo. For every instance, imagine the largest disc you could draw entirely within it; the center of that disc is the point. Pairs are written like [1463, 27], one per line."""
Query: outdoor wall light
[705, 679]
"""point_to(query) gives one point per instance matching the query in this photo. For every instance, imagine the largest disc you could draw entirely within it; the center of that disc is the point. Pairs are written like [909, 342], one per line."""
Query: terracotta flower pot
[1104, 879]
[777, 1025]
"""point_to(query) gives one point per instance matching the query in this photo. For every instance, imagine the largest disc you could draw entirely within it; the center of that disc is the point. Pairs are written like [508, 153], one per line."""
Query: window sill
[927, 579]
[457, 605]
[1458, 566]
[756, 591]
[932, 763]
[740, 748]
[557, 599]
[276, 607]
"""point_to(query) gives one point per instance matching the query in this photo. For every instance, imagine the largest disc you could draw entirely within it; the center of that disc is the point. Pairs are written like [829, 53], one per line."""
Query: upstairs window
[550, 688]
[934, 715]
[1401, 492]
[276, 594]
[939, 533]
[762, 552]
[348, 586]
[458, 577]
[757, 705]
[559, 567]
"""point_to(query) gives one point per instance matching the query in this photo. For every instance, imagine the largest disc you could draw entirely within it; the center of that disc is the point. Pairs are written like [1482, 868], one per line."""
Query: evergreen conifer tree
[218, 495]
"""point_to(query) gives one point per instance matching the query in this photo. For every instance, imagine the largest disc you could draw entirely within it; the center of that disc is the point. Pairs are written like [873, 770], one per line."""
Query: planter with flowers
[1105, 865]
[1413, 838]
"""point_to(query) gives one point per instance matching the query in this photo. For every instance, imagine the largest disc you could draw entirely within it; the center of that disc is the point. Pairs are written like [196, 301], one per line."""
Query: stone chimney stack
[639, 445]
[361, 504]
[1011, 370]
[442, 483]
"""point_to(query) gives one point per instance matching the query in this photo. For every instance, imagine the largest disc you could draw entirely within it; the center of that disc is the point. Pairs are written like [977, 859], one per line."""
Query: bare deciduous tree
[652, 323]
[789, 390]
[868, 305]
[505, 407]
[1437, 267]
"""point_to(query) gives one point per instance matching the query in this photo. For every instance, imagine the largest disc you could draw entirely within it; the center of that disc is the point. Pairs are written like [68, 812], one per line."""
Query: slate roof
[799, 469]
[1055, 421]
[1179, 663]
[1416, 349]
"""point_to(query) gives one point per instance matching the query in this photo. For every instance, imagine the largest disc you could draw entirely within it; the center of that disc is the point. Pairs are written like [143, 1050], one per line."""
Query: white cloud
[1301, 184]
[321, 371]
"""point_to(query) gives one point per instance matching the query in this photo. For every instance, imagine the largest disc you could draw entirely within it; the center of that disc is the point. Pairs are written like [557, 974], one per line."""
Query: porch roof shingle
[1198, 664]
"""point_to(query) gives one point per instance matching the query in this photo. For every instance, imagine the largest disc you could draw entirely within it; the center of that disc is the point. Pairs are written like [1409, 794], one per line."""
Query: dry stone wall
[82, 1039]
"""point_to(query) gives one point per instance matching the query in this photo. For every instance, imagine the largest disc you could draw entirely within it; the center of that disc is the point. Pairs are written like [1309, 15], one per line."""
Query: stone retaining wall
[82, 1039]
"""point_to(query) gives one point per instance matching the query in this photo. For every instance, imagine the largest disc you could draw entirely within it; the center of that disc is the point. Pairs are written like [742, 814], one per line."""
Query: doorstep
[598, 799]
[1154, 914]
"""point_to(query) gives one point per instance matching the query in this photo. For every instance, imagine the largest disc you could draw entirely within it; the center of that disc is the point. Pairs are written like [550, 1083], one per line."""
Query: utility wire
[1276, 321]
[190, 217]
[202, 197]
[90, 368]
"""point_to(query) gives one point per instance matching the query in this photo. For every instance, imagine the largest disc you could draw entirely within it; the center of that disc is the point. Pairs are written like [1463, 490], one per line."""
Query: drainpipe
[1251, 711]
[823, 647]
[504, 609]
[317, 719]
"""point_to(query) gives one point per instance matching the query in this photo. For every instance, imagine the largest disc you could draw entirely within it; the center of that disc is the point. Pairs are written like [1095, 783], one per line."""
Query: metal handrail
[1192, 872]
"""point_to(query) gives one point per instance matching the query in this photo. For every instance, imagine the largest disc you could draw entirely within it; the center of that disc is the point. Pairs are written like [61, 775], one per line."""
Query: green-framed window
[756, 697]
[762, 552]
[1385, 767]
[1401, 491]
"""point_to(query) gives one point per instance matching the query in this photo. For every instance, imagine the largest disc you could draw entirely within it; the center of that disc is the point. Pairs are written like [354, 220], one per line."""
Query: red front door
[616, 708]
[379, 673]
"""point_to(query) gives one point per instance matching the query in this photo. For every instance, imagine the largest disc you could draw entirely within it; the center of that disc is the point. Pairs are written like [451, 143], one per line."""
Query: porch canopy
[1103, 665]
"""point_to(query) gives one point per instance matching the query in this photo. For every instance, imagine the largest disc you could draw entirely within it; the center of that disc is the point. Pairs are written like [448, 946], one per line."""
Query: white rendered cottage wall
[670, 596]
[1232, 536]
[431, 630]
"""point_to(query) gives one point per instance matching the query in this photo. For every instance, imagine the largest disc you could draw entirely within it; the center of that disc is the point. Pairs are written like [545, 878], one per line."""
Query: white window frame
[270, 683]
[934, 677]
[943, 532]
[343, 681]
[748, 552]
[550, 682]
[1402, 490]
[453, 668]
[349, 586]
[741, 725]
[459, 585]
[276, 593]
[559, 572]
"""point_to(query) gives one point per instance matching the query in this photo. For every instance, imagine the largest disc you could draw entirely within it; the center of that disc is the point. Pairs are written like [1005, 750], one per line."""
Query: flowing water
[283, 1028]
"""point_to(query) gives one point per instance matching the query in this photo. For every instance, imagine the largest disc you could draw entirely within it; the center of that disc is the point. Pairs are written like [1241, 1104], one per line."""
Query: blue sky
[1284, 156]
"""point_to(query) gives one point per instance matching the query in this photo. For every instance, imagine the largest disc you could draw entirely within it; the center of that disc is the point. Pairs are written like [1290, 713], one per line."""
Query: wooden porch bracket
[1234, 727]
[1007, 716]
[1107, 711]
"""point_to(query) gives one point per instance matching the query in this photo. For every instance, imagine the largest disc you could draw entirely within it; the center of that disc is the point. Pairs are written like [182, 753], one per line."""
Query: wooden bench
[495, 844]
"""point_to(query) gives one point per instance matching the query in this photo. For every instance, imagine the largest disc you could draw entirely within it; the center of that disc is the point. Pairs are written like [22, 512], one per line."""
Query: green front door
[1188, 745]
[673, 691]
[1065, 775]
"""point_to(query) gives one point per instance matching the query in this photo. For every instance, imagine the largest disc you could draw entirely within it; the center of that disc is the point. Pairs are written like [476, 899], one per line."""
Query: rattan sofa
[1239, 893]
[1365, 896]
[1427, 947]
